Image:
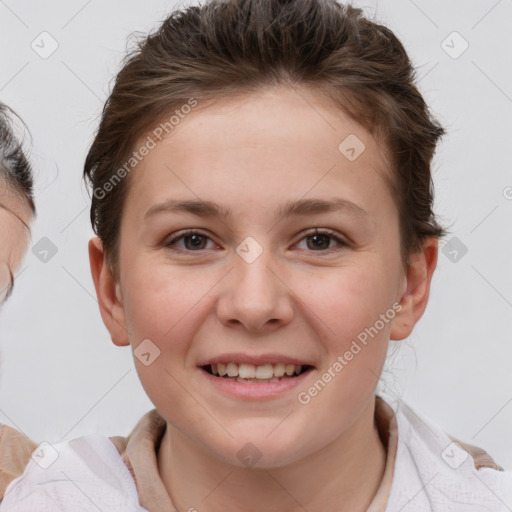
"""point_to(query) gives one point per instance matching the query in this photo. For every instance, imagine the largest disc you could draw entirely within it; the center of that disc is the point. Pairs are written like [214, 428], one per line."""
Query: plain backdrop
[61, 376]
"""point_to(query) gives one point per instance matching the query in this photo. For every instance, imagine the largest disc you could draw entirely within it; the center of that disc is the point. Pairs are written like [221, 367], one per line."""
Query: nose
[255, 296]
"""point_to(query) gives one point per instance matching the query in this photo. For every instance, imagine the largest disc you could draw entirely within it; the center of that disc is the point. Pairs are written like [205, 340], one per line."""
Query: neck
[342, 476]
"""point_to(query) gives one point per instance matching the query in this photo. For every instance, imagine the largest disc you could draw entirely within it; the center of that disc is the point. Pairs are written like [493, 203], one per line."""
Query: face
[250, 243]
[14, 233]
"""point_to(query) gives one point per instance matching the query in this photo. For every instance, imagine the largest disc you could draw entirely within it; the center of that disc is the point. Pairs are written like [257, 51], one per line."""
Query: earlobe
[417, 290]
[108, 292]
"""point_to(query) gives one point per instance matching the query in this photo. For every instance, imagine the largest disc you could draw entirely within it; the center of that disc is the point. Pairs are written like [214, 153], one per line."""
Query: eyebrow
[291, 208]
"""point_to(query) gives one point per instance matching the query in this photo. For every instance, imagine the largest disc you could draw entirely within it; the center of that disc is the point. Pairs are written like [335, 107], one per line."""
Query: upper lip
[256, 360]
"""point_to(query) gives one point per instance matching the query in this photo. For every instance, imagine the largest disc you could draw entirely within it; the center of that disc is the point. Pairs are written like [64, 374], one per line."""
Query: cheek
[350, 300]
[14, 242]
[158, 298]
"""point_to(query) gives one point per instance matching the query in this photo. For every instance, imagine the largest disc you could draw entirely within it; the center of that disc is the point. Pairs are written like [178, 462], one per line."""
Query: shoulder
[15, 451]
[51, 475]
[436, 472]
[480, 457]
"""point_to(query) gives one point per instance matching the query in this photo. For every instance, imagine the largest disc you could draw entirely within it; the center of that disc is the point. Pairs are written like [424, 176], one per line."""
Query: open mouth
[256, 374]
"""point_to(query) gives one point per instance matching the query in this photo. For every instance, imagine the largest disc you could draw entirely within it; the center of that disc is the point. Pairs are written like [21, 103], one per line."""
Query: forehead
[262, 146]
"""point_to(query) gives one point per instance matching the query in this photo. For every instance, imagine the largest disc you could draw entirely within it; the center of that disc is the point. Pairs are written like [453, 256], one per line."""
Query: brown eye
[321, 241]
[192, 241]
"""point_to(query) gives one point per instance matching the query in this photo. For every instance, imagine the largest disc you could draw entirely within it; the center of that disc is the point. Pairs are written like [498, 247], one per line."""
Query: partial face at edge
[15, 217]
[304, 297]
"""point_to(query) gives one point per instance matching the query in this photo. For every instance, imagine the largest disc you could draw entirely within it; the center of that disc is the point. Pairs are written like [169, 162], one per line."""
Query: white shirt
[430, 474]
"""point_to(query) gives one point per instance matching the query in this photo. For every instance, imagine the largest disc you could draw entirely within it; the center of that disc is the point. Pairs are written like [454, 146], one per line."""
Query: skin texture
[15, 219]
[252, 154]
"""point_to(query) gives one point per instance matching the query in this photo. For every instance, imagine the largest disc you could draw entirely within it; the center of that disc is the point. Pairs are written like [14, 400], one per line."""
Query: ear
[417, 289]
[108, 292]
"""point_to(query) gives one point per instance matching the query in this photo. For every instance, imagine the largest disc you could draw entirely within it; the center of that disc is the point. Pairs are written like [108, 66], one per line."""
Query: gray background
[61, 377]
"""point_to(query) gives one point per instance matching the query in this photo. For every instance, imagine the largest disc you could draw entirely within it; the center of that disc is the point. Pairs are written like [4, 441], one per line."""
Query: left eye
[194, 240]
[322, 239]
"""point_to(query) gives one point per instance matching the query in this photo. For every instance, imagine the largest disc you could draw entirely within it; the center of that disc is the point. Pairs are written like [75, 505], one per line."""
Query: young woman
[262, 197]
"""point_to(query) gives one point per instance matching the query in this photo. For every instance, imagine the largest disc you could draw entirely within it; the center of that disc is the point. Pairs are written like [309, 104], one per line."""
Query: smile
[244, 372]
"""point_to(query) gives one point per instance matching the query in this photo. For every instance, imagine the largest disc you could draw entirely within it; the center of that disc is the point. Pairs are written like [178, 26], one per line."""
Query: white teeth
[279, 370]
[232, 369]
[246, 371]
[289, 369]
[264, 373]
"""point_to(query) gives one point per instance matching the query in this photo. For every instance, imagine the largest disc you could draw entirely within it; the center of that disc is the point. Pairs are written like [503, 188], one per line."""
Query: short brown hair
[225, 47]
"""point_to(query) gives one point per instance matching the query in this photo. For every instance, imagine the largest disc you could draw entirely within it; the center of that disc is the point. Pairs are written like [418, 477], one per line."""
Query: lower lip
[255, 389]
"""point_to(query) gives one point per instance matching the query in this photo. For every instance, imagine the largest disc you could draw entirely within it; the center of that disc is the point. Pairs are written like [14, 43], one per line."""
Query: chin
[260, 451]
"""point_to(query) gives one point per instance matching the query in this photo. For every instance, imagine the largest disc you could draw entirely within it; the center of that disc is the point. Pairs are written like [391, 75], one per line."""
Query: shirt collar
[139, 453]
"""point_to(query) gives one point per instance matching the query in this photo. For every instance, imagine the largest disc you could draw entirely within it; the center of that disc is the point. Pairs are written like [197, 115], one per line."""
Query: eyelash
[325, 232]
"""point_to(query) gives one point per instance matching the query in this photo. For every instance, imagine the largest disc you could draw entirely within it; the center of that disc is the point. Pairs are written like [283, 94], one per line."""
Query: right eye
[194, 241]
